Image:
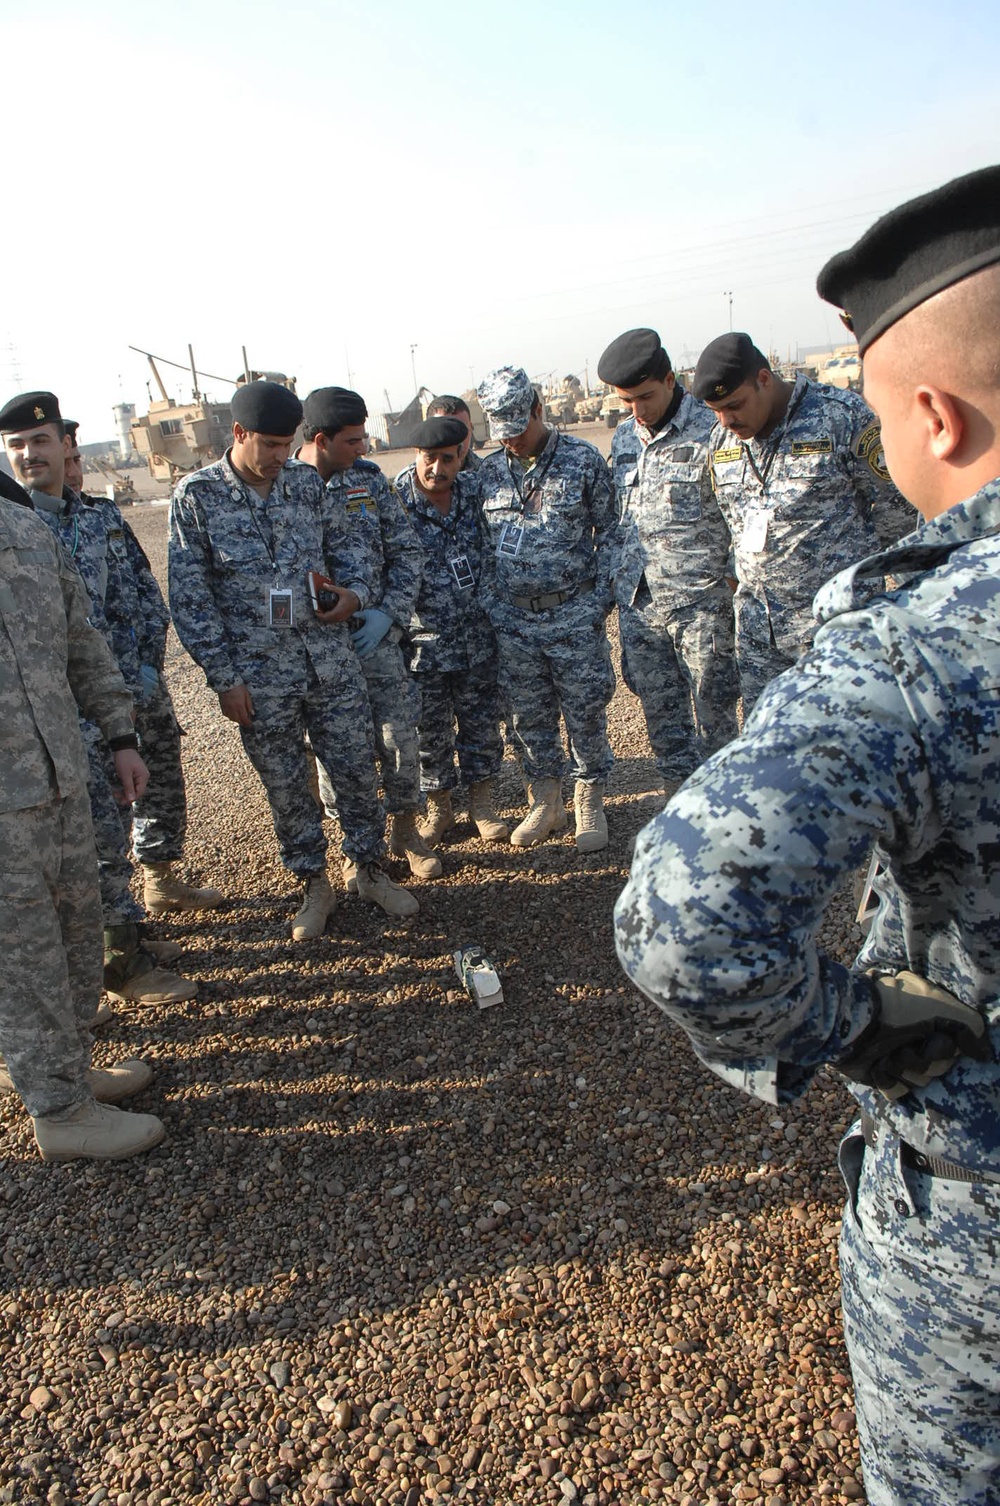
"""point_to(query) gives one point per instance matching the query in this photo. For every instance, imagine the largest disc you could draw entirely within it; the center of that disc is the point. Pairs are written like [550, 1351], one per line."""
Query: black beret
[29, 411]
[267, 408]
[915, 251]
[440, 434]
[332, 409]
[71, 425]
[14, 493]
[725, 365]
[635, 357]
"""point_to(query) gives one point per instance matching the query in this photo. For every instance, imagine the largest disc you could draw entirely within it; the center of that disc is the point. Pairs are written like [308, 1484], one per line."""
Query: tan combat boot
[591, 822]
[318, 904]
[350, 872]
[374, 884]
[546, 813]
[163, 892]
[131, 973]
[107, 1084]
[406, 842]
[97, 1132]
[484, 817]
[158, 947]
[439, 818]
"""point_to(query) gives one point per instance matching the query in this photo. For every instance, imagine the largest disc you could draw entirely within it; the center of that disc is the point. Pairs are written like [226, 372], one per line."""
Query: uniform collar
[672, 428]
[928, 546]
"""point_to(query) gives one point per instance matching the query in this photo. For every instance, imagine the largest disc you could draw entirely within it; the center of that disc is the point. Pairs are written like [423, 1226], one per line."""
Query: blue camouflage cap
[507, 397]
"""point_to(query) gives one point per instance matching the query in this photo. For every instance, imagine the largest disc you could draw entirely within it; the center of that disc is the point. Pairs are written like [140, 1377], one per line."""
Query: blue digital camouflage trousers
[335, 715]
[759, 659]
[918, 1263]
[395, 709]
[112, 833]
[50, 920]
[557, 662]
[459, 715]
[683, 671]
[159, 819]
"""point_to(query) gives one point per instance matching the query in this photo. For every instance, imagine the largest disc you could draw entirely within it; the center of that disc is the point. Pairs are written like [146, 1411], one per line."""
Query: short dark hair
[448, 405]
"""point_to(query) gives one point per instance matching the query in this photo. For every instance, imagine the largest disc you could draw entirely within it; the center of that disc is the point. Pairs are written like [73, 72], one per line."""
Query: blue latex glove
[367, 638]
[150, 680]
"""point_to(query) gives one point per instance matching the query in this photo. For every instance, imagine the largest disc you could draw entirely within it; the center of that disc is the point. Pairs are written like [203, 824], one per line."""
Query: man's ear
[941, 420]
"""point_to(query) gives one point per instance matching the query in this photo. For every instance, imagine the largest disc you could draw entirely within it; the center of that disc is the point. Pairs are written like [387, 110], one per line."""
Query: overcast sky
[330, 185]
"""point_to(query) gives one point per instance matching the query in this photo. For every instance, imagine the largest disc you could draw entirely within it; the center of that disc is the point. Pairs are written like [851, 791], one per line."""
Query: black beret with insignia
[915, 251]
[267, 408]
[439, 434]
[635, 357]
[330, 409]
[725, 365]
[29, 411]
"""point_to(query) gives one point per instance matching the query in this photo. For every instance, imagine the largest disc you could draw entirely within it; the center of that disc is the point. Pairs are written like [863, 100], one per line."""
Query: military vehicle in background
[562, 401]
[175, 438]
[843, 369]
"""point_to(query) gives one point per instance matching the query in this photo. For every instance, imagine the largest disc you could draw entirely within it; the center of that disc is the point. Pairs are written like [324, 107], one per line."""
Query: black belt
[918, 1160]
[551, 598]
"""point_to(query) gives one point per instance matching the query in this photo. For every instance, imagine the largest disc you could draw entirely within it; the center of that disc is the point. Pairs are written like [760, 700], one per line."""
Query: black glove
[918, 1033]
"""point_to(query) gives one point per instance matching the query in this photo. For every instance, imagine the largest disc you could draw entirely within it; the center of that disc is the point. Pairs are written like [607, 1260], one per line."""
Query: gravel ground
[396, 1250]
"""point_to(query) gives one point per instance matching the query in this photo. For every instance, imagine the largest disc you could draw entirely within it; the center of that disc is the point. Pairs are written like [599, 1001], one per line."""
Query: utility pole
[413, 368]
[727, 294]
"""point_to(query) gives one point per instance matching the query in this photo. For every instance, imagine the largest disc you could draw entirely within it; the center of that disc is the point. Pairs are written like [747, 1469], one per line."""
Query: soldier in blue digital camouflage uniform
[381, 535]
[451, 646]
[245, 533]
[675, 607]
[549, 512]
[139, 621]
[446, 405]
[37, 444]
[888, 730]
[800, 477]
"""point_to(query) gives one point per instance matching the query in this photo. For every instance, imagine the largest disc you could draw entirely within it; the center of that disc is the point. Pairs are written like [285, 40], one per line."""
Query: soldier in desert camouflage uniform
[452, 647]
[245, 533]
[549, 512]
[94, 538]
[675, 607]
[887, 730]
[381, 534]
[50, 913]
[800, 477]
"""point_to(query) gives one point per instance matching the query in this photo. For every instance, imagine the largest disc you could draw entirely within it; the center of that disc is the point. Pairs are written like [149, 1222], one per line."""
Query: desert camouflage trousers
[918, 1260]
[50, 920]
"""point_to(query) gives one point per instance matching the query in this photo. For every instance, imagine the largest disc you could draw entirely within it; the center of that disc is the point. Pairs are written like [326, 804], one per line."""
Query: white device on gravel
[479, 976]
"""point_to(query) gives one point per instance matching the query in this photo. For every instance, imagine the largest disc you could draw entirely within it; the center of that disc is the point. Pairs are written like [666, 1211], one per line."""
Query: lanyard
[771, 455]
[532, 482]
[265, 532]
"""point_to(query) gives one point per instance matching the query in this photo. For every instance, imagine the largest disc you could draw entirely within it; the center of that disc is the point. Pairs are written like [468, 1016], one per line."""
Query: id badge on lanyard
[509, 544]
[462, 571]
[280, 607]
